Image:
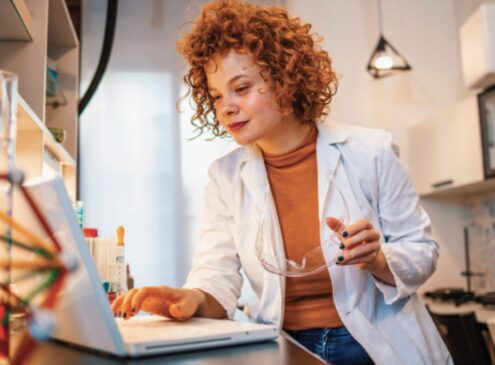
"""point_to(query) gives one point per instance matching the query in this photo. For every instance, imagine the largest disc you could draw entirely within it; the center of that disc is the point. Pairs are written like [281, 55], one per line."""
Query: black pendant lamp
[385, 59]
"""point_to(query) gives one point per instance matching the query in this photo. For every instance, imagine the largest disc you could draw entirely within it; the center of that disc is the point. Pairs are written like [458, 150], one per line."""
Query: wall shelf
[29, 122]
[446, 154]
[53, 43]
[15, 21]
[61, 32]
[462, 192]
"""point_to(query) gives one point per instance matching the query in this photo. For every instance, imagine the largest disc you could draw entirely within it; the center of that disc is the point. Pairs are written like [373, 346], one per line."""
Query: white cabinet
[50, 38]
[477, 41]
[445, 150]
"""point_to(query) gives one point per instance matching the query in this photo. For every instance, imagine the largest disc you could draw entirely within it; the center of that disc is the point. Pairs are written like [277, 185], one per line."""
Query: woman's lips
[234, 127]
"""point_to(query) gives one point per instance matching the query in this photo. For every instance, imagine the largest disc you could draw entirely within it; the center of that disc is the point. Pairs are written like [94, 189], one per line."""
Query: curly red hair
[299, 71]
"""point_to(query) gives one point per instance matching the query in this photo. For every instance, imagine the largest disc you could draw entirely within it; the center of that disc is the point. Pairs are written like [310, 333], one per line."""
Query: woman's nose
[229, 108]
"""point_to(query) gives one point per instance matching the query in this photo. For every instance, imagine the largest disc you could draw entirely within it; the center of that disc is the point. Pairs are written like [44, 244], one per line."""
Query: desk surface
[281, 351]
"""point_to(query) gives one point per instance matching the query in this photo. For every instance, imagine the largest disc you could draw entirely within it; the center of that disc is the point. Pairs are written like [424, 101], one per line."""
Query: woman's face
[245, 104]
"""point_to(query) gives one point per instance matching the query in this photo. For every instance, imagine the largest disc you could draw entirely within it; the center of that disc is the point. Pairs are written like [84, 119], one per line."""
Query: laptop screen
[83, 315]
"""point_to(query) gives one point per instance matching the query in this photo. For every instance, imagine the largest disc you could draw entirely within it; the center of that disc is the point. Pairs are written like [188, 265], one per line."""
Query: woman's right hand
[177, 303]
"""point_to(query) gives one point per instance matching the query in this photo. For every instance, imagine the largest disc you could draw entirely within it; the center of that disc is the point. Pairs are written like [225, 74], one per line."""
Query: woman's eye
[215, 98]
[240, 89]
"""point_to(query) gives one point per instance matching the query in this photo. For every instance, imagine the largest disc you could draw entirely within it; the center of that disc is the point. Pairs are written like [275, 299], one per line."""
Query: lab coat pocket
[399, 330]
[417, 323]
[372, 339]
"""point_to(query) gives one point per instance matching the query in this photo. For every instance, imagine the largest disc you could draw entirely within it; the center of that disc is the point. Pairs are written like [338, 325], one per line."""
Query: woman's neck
[287, 138]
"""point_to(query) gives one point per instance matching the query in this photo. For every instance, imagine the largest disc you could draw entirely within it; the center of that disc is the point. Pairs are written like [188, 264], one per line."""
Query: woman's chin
[242, 141]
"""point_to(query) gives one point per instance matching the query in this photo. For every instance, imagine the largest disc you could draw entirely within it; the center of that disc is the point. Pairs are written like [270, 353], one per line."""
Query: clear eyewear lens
[314, 261]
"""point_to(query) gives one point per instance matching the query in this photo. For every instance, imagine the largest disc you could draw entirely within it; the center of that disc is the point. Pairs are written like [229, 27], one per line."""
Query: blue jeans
[334, 345]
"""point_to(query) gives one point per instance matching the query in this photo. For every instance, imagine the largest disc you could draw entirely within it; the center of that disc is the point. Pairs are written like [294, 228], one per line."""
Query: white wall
[130, 146]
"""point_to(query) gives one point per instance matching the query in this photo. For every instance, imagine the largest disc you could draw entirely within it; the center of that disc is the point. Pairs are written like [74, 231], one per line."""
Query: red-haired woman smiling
[321, 216]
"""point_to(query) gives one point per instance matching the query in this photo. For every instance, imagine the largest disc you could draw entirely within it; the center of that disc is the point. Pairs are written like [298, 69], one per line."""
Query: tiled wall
[482, 241]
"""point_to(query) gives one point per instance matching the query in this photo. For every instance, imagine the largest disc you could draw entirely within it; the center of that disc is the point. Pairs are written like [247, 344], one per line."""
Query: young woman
[321, 216]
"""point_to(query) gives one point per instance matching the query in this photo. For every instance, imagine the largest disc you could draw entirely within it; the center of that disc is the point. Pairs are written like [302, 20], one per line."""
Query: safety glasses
[319, 257]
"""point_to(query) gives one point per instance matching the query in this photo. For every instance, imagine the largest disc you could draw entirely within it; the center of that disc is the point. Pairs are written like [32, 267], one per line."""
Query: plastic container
[79, 209]
[90, 235]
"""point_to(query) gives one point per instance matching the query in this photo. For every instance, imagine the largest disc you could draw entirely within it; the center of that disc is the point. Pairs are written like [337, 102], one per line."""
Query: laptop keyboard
[154, 328]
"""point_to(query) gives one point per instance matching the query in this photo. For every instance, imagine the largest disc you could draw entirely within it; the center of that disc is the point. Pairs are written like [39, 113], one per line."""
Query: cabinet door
[446, 149]
[442, 153]
[468, 167]
[421, 145]
[429, 154]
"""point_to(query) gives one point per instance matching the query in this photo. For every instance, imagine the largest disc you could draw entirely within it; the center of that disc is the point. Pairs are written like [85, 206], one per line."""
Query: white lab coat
[389, 322]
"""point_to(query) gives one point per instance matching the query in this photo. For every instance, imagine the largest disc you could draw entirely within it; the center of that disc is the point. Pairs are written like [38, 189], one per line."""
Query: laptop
[83, 314]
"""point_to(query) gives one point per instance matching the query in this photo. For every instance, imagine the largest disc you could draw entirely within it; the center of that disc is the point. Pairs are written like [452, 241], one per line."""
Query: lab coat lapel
[255, 179]
[330, 203]
[329, 161]
[331, 167]
[253, 175]
[346, 277]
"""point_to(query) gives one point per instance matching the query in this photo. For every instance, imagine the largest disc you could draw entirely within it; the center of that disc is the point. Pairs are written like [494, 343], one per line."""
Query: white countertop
[483, 313]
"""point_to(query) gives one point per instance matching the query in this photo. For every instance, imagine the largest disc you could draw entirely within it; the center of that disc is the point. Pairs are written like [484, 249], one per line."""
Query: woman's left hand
[361, 247]
[360, 244]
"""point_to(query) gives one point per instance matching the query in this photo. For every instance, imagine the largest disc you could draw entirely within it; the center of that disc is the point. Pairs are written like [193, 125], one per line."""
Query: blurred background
[140, 169]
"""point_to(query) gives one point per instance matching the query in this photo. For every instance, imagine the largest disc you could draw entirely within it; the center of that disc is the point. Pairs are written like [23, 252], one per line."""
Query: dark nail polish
[133, 310]
[114, 314]
[345, 234]
[125, 315]
[341, 246]
[340, 258]
[119, 314]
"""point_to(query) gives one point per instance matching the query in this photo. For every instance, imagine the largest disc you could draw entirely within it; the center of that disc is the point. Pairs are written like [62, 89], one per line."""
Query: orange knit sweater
[293, 181]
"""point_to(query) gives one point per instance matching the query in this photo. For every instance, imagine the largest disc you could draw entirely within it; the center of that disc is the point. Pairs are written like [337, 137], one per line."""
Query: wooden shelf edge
[20, 28]
[61, 32]
[28, 121]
